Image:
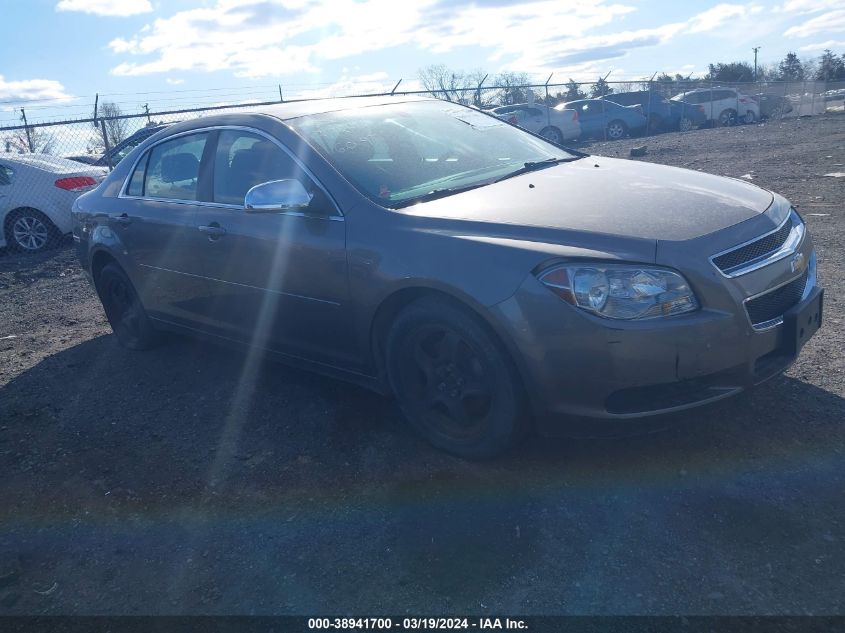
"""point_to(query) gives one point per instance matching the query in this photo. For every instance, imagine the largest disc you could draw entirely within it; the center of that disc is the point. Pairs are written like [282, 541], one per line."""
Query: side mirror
[277, 195]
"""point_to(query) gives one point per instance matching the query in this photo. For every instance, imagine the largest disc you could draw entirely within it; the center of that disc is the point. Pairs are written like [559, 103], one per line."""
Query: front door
[278, 279]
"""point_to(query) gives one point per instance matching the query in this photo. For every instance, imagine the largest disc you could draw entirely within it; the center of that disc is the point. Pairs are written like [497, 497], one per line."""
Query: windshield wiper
[535, 165]
[434, 194]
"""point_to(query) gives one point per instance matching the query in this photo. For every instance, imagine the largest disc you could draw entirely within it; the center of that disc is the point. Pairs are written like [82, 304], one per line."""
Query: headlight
[621, 291]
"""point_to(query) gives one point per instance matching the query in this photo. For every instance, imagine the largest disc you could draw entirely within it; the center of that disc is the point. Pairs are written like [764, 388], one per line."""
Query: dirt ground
[174, 481]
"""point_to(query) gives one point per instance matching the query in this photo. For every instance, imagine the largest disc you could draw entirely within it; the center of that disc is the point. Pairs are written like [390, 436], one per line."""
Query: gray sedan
[492, 282]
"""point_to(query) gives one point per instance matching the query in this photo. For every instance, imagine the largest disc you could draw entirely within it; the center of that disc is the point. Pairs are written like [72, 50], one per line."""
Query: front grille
[755, 250]
[772, 305]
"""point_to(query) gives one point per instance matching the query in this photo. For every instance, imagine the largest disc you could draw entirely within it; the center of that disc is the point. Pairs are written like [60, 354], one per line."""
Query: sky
[57, 54]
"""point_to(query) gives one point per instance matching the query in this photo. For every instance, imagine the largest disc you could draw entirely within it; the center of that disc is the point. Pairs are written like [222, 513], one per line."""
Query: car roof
[296, 109]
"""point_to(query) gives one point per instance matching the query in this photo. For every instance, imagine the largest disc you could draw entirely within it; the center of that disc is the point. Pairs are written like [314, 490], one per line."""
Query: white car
[555, 125]
[36, 195]
[722, 106]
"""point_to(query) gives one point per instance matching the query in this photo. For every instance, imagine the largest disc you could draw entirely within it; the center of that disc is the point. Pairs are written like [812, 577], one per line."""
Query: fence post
[281, 98]
[813, 101]
[478, 91]
[26, 129]
[710, 117]
[395, 87]
[106, 142]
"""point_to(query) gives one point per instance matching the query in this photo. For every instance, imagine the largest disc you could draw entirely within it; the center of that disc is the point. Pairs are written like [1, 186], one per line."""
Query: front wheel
[126, 314]
[727, 118]
[616, 130]
[749, 118]
[685, 124]
[453, 381]
[551, 133]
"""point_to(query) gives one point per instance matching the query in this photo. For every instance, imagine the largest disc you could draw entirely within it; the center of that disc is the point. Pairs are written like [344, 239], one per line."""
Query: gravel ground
[183, 481]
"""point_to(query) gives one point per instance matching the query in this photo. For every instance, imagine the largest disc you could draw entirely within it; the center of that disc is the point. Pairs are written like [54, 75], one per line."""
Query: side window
[244, 160]
[534, 112]
[173, 168]
[5, 175]
[136, 183]
[694, 98]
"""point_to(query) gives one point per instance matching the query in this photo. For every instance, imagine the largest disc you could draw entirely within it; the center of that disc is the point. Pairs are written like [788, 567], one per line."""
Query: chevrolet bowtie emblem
[798, 263]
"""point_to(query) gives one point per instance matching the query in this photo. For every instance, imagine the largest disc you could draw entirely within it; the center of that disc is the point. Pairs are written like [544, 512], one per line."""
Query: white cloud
[720, 15]
[808, 6]
[118, 8]
[276, 37]
[20, 93]
[174, 82]
[821, 46]
[830, 22]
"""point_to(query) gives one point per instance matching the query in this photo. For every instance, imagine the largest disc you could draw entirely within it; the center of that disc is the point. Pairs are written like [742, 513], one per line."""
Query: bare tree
[513, 87]
[30, 140]
[451, 85]
[117, 129]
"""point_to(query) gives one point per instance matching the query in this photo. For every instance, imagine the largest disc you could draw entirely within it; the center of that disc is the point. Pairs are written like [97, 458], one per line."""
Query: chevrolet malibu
[492, 282]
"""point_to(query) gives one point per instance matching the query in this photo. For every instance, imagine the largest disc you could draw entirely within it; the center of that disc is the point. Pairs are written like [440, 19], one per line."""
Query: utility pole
[755, 49]
[26, 129]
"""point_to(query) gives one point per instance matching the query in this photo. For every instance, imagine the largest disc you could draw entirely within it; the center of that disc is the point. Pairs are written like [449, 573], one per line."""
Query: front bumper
[577, 365]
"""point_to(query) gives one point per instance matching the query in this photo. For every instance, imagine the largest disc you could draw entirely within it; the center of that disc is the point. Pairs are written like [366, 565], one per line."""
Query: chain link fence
[45, 165]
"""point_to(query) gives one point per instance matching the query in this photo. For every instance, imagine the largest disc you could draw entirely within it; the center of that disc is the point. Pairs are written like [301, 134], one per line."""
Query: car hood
[609, 196]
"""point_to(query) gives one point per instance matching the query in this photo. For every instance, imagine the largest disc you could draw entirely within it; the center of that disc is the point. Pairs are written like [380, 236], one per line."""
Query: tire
[685, 124]
[455, 384]
[123, 308]
[655, 123]
[749, 118]
[616, 129]
[30, 231]
[726, 118]
[553, 134]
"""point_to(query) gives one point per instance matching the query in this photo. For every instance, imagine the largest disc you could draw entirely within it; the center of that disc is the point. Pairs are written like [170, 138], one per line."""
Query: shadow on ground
[170, 482]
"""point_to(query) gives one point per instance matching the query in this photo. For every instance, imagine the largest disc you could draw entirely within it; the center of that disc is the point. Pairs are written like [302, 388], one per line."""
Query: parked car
[36, 194]
[772, 106]
[491, 281]
[555, 125]
[88, 159]
[722, 106]
[661, 113]
[119, 151]
[605, 119]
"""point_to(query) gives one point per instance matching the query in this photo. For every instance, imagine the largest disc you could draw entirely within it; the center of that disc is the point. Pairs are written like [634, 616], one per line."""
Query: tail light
[575, 116]
[701, 109]
[743, 100]
[76, 183]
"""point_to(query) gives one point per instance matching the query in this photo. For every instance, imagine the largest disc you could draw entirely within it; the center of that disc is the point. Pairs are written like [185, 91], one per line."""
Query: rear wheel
[685, 124]
[749, 118]
[31, 231]
[455, 384]
[126, 314]
[553, 134]
[616, 130]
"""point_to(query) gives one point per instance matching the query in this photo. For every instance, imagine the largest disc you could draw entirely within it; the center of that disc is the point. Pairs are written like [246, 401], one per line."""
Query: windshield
[397, 153]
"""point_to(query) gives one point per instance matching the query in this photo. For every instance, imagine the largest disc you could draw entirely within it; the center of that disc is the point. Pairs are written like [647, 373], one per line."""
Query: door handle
[121, 219]
[213, 230]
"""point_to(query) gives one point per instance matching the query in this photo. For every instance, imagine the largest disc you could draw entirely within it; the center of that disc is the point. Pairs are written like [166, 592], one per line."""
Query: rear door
[278, 279]
[155, 222]
[591, 117]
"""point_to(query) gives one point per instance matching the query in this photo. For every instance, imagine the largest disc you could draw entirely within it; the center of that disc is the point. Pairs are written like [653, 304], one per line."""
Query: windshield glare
[396, 153]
